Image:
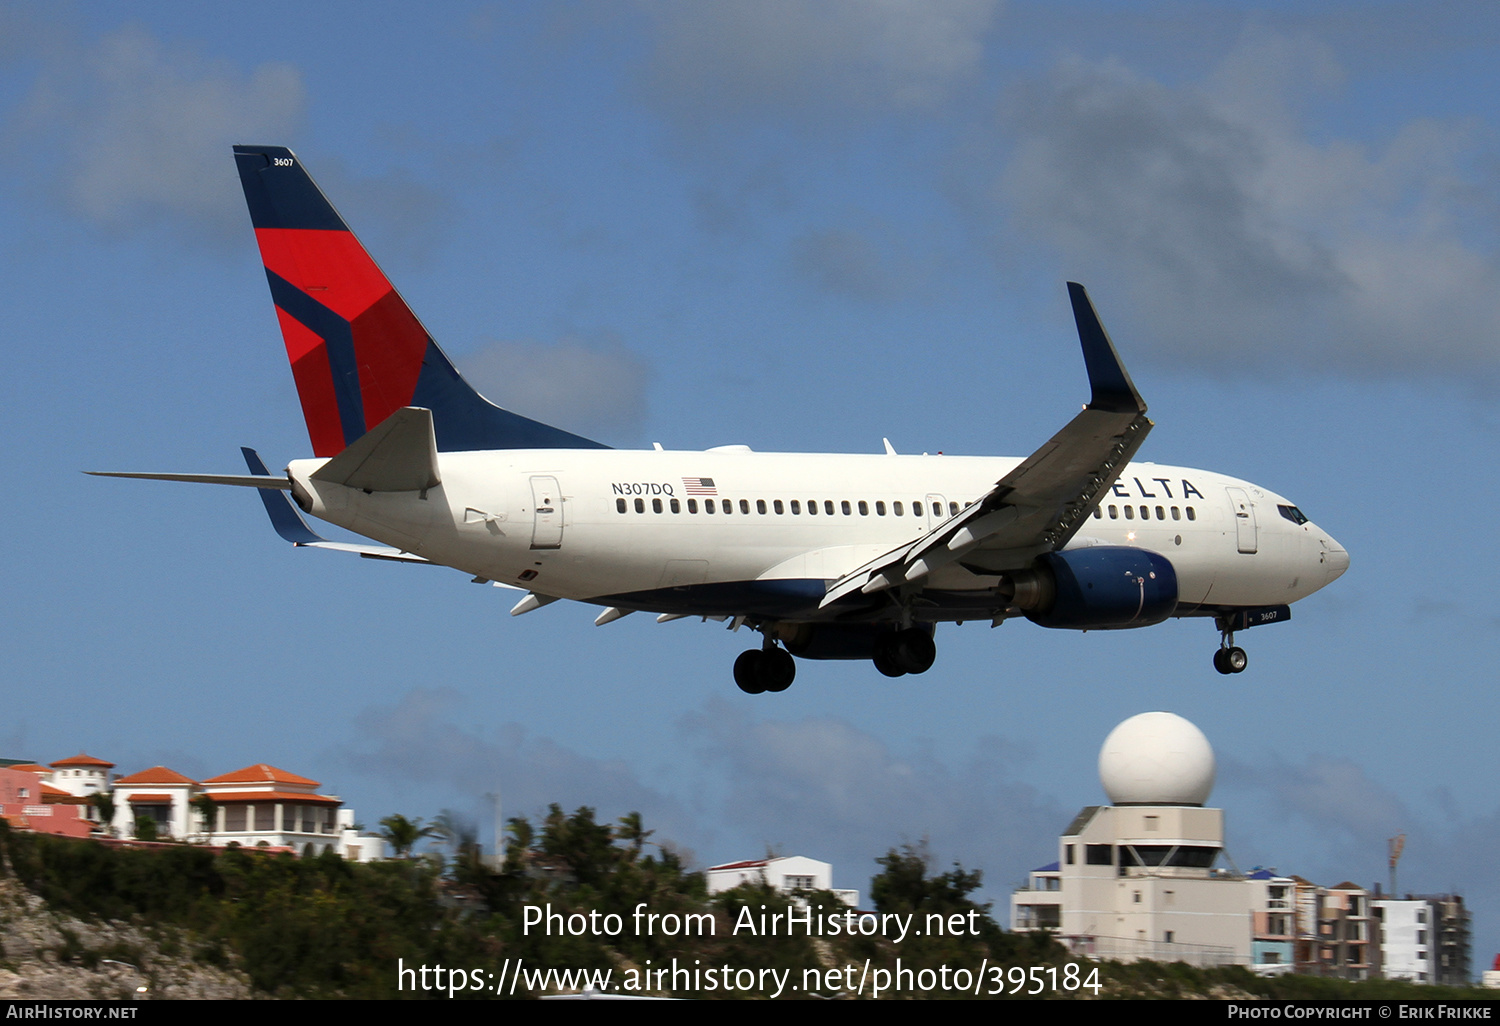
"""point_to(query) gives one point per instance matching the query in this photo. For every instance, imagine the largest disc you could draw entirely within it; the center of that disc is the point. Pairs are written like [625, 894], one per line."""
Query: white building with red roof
[81, 776]
[161, 795]
[262, 806]
[789, 874]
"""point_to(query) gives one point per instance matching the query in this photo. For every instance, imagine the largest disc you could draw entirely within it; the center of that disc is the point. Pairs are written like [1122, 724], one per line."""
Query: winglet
[1114, 392]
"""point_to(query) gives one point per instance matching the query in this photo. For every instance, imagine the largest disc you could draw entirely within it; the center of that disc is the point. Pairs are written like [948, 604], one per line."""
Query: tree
[104, 802]
[633, 832]
[404, 834]
[209, 810]
[904, 885]
[145, 828]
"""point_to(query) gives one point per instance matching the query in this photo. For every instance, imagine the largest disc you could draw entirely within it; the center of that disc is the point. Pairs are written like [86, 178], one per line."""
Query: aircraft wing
[1041, 504]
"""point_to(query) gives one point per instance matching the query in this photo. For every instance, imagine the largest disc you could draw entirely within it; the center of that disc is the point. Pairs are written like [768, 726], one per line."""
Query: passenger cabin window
[744, 505]
[776, 505]
[1191, 514]
[620, 505]
[896, 508]
[692, 505]
[1114, 512]
[796, 507]
[728, 505]
[760, 505]
[708, 505]
[656, 505]
[864, 508]
[880, 509]
[828, 507]
[1129, 512]
[676, 506]
[844, 505]
[640, 505]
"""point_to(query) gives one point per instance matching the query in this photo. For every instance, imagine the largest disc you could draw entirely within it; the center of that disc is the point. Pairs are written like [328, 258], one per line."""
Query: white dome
[1156, 758]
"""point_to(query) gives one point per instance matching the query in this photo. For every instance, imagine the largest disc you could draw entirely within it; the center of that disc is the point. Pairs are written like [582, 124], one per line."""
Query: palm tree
[633, 831]
[403, 834]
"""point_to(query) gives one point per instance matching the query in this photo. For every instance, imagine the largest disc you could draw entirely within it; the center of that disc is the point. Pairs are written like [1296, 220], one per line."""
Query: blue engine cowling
[1103, 587]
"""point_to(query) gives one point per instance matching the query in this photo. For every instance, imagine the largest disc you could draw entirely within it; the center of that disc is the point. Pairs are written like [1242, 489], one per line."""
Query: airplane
[826, 556]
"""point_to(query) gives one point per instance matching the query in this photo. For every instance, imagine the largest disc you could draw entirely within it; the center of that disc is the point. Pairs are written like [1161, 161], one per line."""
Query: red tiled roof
[29, 767]
[261, 773]
[155, 775]
[48, 790]
[752, 864]
[82, 759]
[252, 797]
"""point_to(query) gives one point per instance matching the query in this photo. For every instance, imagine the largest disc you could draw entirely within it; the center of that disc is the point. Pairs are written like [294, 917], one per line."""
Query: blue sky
[797, 226]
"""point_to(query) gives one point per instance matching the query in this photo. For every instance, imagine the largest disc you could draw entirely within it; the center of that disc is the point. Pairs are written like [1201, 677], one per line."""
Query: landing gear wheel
[885, 660]
[758, 670]
[747, 671]
[915, 650]
[1231, 660]
[777, 669]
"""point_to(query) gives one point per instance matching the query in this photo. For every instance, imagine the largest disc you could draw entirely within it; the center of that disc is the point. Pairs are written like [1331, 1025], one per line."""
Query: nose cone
[1335, 559]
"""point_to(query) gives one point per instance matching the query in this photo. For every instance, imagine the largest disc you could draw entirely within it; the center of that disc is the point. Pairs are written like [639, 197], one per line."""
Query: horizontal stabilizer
[398, 455]
[289, 523]
[243, 480]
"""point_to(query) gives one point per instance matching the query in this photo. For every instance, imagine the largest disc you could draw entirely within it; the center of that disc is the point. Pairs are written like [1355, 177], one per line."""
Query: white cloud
[824, 788]
[1240, 240]
[125, 131]
[802, 58]
[590, 389]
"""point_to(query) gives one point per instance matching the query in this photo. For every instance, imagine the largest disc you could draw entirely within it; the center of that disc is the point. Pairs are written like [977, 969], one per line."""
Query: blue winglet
[285, 518]
[1114, 392]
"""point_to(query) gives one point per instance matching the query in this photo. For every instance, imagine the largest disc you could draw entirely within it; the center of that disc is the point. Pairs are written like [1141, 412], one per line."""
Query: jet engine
[1102, 587]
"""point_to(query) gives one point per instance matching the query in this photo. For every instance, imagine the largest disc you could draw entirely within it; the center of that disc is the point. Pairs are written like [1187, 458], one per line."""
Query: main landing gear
[908, 651]
[768, 668]
[1230, 658]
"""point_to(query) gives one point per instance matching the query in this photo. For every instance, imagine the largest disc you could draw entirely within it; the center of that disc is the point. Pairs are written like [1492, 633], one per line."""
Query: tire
[1236, 660]
[777, 669]
[1221, 663]
[747, 671]
[886, 661]
[915, 650]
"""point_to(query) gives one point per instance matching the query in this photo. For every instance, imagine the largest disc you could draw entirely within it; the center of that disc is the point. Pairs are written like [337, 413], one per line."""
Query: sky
[799, 226]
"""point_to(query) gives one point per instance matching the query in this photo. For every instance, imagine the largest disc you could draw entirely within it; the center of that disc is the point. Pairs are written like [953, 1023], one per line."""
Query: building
[1147, 877]
[1425, 938]
[790, 874]
[1142, 876]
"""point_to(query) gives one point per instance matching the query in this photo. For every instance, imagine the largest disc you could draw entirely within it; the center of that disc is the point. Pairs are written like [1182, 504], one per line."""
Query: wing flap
[1042, 503]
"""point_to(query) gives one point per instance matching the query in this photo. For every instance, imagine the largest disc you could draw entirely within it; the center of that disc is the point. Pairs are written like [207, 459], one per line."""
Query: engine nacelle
[1102, 587]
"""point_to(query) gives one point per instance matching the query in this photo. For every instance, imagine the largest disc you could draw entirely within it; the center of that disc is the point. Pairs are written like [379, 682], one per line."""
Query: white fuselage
[593, 525]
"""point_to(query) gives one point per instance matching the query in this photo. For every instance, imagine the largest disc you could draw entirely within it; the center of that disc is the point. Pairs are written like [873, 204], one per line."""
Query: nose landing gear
[1230, 658]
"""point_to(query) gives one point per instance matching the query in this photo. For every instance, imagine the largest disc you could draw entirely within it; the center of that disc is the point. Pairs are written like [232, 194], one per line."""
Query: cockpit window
[1293, 514]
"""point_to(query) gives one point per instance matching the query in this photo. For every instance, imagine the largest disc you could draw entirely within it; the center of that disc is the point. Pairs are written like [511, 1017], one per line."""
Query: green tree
[209, 810]
[404, 834]
[104, 802]
[145, 828]
[632, 832]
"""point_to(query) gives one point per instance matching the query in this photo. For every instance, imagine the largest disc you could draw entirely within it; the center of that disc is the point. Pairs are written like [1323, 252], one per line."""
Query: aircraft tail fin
[358, 353]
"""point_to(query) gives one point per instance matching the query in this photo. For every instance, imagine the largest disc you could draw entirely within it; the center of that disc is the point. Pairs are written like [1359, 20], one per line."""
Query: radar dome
[1156, 758]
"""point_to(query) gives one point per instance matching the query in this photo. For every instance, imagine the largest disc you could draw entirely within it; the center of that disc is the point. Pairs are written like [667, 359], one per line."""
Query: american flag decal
[699, 486]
